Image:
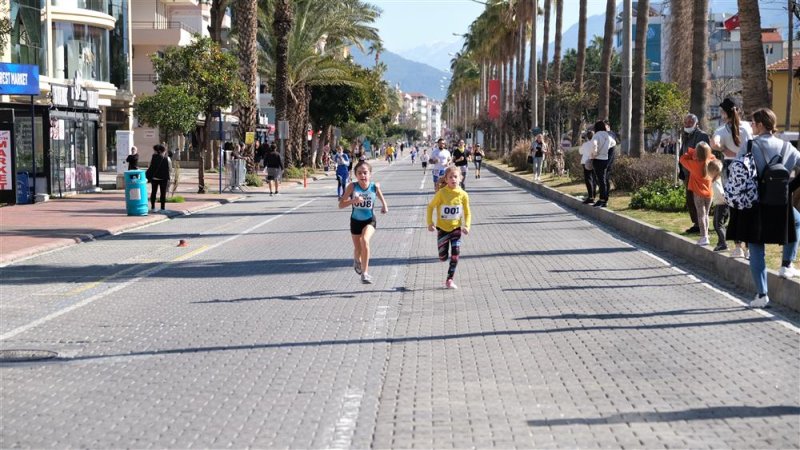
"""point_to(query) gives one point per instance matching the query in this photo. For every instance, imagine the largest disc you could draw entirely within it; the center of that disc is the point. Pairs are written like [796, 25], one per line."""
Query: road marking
[346, 425]
[141, 275]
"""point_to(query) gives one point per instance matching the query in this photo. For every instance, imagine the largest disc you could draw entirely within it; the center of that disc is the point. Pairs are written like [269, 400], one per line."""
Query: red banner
[732, 22]
[494, 99]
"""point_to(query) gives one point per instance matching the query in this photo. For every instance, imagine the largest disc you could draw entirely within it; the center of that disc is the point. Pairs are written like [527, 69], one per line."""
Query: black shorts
[357, 226]
[424, 163]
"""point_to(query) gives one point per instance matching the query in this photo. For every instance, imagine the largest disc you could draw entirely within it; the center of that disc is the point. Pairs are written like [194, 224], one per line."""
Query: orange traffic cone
[183, 243]
[305, 179]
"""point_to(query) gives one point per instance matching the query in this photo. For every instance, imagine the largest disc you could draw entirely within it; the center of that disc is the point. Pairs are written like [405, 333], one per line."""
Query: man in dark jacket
[274, 169]
[691, 136]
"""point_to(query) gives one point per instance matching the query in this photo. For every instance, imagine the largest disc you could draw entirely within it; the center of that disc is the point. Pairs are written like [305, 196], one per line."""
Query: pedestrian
[538, 152]
[602, 160]
[274, 166]
[440, 158]
[461, 160]
[728, 139]
[261, 155]
[402, 147]
[158, 175]
[424, 159]
[768, 224]
[721, 209]
[588, 150]
[477, 159]
[453, 218]
[361, 196]
[692, 135]
[133, 159]
[342, 161]
[413, 155]
[695, 161]
[389, 153]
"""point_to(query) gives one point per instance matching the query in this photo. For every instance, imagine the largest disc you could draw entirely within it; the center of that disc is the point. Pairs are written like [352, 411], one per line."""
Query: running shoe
[703, 241]
[366, 278]
[357, 266]
[737, 253]
[449, 284]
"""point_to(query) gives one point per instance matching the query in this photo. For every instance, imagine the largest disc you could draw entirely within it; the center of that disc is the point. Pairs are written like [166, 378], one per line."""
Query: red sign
[5, 161]
[732, 22]
[494, 99]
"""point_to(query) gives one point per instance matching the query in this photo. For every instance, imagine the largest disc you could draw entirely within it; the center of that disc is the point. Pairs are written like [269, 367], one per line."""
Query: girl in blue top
[361, 196]
[342, 161]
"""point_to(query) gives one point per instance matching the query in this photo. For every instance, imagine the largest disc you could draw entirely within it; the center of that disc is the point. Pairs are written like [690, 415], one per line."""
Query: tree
[666, 104]
[545, 56]
[247, 29]
[217, 15]
[557, 62]
[577, 115]
[679, 56]
[605, 71]
[281, 27]
[697, 102]
[754, 72]
[211, 75]
[639, 76]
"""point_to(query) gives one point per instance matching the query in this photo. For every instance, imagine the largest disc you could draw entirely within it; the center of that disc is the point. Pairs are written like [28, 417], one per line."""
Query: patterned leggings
[446, 241]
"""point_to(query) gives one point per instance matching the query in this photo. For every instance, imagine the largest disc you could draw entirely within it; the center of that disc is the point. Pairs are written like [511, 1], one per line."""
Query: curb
[731, 270]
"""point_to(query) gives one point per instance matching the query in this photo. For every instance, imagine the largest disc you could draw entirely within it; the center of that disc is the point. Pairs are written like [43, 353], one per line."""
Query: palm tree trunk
[247, 24]
[545, 56]
[533, 73]
[679, 56]
[755, 91]
[789, 75]
[605, 61]
[697, 97]
[579, 68]
[217, 14]
[638, 82]
[521, 60]
[281, 26]
[557, 67]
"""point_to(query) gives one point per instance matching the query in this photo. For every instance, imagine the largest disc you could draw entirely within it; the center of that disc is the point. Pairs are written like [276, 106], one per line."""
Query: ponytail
[735, 124]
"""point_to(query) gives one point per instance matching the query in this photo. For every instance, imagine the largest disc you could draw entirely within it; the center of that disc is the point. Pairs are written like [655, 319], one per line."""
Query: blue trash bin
[136, 193]
[23, 188]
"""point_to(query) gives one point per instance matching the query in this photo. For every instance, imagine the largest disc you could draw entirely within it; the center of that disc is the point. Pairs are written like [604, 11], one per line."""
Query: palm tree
[605, 62]
[697, 97]
[247, 27]
[638, 82]
[533, 73]
[281, 26]
[217, 12]
[557, 66]
[579, 68]
[545, 55]
[755, 91]
[679, 56]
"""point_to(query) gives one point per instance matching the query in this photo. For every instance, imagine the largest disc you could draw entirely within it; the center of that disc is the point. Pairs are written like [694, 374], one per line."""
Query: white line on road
[140, 276]
[346, 425]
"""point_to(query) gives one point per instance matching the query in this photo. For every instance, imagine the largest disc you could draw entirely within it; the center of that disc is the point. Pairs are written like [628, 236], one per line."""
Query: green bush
[572, 164]
[630, 174]
[293, 172]
[660, 195]
[253, 179]
[176, 199]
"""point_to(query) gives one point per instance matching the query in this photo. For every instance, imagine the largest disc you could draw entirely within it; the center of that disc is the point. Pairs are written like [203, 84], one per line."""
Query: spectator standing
[133, 159]
[767, 224]
[692, 135]
[588, 150]
[274, 166]
[604, 142]
[538, 151]
[158, 174]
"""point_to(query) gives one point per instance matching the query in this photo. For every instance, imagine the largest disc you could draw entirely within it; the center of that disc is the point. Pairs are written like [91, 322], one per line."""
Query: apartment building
[80, 52]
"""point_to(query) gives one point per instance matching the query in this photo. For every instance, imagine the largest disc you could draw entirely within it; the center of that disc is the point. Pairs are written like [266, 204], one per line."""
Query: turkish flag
[732, 22]
[494, 99]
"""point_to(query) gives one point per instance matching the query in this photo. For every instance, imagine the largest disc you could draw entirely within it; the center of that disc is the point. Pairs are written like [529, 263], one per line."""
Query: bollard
[305, 178]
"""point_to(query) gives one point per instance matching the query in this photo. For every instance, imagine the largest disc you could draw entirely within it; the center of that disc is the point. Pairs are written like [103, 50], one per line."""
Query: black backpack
[773, 183]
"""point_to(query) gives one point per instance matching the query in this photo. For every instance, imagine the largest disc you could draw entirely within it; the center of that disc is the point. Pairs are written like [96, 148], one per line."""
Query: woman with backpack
[772, 220]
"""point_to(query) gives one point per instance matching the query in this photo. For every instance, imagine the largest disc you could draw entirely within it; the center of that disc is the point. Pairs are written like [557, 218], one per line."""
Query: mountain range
[410, 76]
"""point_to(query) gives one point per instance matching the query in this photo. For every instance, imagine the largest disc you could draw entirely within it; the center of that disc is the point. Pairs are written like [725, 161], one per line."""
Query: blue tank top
[363, 209]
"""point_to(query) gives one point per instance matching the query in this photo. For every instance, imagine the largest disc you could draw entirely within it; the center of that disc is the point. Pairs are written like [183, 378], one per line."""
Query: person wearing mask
[769, 224]
[728, 140]
[692, 135]
[133, 159]
[603, 142]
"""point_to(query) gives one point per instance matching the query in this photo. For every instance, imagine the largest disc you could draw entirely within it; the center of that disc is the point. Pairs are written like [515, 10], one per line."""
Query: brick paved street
[259, 334]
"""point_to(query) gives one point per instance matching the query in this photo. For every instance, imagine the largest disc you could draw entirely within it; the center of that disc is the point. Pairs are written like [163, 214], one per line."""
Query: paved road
[259, 334]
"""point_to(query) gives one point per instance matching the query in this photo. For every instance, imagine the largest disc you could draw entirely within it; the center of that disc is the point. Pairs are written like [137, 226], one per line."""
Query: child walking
[721, 211]
[424, 159]
[452, 219]
[361, 196]
[695, 161]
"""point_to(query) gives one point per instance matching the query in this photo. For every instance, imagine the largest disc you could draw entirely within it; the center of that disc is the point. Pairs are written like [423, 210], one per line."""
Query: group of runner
[448, 213]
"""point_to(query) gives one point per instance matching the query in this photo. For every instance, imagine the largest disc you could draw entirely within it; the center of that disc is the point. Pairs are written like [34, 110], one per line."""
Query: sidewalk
[27, 230]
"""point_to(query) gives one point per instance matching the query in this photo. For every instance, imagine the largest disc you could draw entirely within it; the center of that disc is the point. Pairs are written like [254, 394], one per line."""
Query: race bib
[441, 172]
[450, 212]
[478, 157]
[365, 203]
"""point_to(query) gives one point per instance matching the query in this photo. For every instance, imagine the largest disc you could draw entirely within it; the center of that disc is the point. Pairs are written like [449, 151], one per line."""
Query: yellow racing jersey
[452, 209]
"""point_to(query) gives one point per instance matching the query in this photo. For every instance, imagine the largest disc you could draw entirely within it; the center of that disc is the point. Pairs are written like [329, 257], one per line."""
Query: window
[27, 45]
[80, 50]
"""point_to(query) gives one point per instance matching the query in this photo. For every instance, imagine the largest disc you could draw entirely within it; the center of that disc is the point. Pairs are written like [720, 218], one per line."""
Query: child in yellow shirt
[452, 218]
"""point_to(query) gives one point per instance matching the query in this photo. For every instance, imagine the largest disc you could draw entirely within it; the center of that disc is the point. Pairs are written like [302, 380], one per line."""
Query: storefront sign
[74, 96]
[5, 161]
[19, 79]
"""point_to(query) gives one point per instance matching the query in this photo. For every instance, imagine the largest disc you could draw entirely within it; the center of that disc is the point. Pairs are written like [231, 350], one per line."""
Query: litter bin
[136, 193]
[23, 188]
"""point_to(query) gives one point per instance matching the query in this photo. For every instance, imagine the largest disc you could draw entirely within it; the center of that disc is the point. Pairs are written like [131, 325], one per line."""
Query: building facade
[83, 54]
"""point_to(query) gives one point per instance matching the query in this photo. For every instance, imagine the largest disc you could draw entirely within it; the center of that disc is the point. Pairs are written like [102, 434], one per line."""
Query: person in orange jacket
[695, 161]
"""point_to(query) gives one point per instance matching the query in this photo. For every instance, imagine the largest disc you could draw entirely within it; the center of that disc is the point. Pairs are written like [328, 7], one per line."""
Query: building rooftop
[783, 64]
[770, 35]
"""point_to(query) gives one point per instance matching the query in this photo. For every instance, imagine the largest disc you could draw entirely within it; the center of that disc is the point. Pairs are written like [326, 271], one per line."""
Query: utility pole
[626, 76]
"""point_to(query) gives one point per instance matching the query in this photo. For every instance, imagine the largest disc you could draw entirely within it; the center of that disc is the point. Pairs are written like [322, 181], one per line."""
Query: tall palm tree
[697, 97]
[679, 56]
[247, 28]
[789, 78]
[579, 69]
[605, 61]
[533, 73]
[281, 27]
[545, 56]
[755, 91]
[557, 66]
[638, 82]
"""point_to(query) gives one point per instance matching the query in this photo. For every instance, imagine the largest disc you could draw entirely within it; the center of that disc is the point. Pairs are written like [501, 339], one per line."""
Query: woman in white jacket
[604, 141]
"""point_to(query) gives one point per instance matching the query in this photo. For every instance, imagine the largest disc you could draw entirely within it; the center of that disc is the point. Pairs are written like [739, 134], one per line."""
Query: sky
[406, 24]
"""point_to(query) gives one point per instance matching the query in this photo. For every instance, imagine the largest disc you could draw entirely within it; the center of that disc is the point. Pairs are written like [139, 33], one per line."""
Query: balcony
[181, 2]
[161, 33]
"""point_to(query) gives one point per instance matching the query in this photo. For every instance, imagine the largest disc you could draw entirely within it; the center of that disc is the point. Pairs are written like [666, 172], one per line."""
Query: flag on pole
[732, 22]
[494, 99]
